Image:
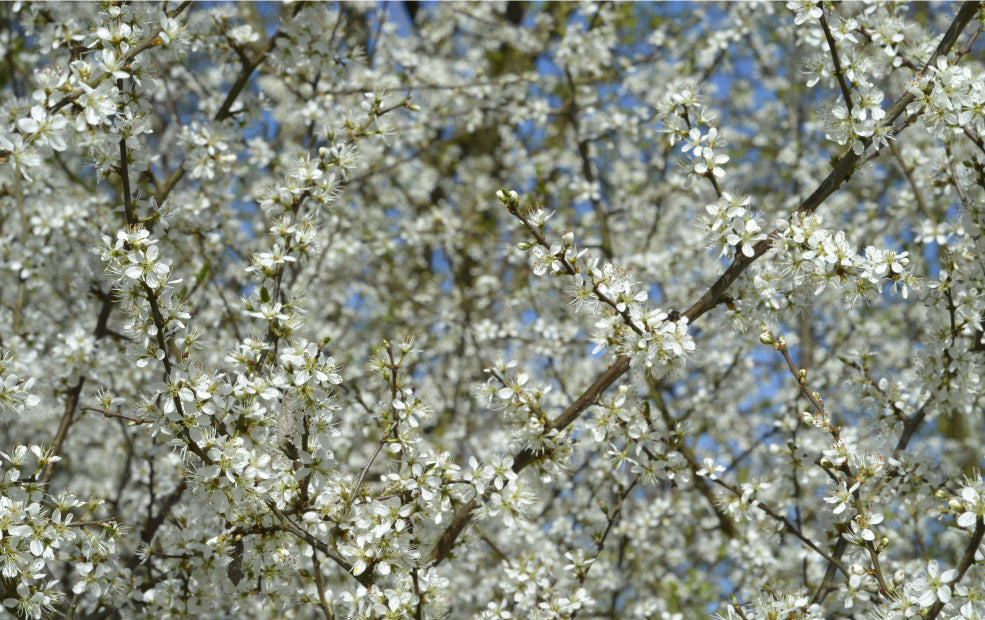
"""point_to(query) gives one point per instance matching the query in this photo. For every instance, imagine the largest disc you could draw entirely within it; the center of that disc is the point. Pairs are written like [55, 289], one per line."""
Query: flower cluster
[969, 504]
[702, 147]
[660, 350]
[42, 532]
[208, 151]
[15, 392]
[858, 117]
[135, 256]
[862, 120]
[824, 257]
[47, 125]
[682, 113]
[520, 400]
[142, 280]
[732, 226]
[949, 97]
[656, 343]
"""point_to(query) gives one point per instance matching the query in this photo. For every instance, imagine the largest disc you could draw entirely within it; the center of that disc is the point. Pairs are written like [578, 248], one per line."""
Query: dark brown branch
[248, 68]
[70, 405]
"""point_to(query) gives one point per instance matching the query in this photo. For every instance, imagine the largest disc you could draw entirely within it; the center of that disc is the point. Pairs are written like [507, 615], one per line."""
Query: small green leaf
[204, 271]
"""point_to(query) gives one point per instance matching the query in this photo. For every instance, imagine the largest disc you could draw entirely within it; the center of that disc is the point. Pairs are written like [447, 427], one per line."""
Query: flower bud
[765, 336]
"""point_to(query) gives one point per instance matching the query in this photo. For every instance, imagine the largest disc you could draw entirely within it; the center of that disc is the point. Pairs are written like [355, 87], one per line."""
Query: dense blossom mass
[492, 310]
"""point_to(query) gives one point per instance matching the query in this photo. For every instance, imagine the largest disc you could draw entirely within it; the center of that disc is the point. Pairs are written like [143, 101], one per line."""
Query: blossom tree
[492, 310]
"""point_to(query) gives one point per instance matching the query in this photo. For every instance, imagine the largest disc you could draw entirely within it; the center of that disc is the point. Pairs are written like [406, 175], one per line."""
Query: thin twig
[110, 414]
[839, 71]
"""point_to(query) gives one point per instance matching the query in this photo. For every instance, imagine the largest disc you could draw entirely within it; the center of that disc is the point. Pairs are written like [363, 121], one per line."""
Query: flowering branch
[152, 40]
[841, 172]
[393, 366]
[771, 513]
[366, 578]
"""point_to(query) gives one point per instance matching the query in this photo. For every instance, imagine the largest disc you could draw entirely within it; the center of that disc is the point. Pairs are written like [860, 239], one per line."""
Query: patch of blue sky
[440, 265]
[582, 207]
[654, 293]
[269, 11]
[545, 66]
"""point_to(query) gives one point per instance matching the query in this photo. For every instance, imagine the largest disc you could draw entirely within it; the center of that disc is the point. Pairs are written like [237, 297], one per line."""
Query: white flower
[244, 34]
[98, 104]
[935, 587]
[840, 497]
[804, 10]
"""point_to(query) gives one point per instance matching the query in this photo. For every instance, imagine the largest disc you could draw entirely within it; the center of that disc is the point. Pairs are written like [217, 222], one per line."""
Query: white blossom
[277, 335]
